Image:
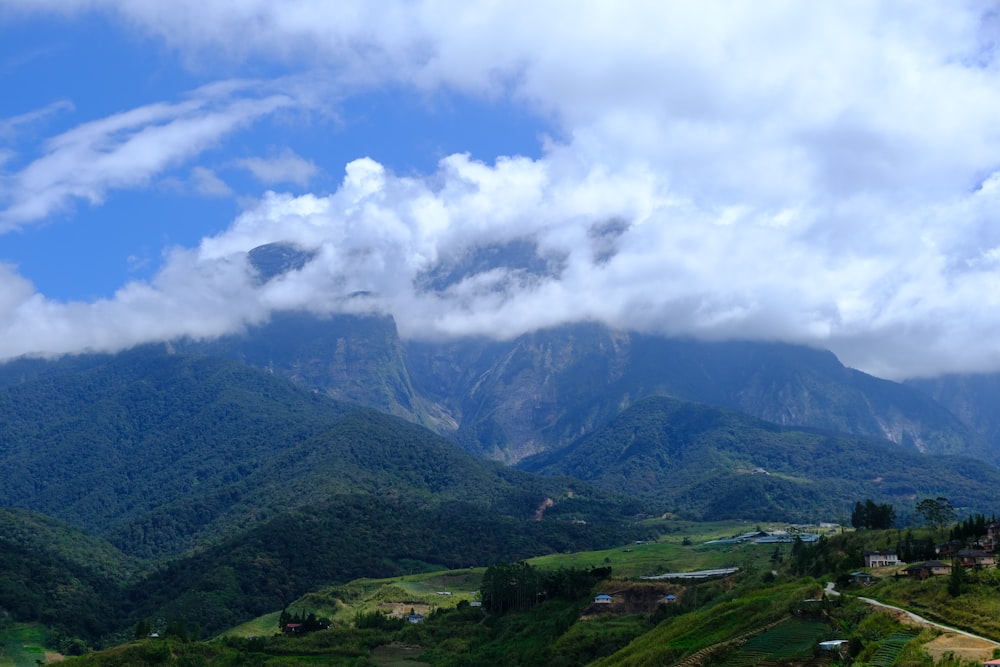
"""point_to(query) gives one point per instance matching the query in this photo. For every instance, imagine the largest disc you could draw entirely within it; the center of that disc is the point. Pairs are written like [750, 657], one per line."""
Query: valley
[218, 482]
[770, 611]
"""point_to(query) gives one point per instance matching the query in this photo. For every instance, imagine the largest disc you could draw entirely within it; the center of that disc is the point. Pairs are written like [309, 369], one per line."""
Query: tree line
[519, 586]
[872, 516]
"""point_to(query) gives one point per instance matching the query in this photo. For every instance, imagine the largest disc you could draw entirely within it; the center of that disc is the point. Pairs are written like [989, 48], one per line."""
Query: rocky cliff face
[973, 399]
[509, 400]
[546, 389]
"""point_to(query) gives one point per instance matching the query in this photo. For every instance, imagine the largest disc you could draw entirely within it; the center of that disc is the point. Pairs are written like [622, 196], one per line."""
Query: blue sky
[825, 175]
[75, 71]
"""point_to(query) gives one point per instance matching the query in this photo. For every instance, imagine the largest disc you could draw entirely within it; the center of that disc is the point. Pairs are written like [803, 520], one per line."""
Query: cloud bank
[818, 174]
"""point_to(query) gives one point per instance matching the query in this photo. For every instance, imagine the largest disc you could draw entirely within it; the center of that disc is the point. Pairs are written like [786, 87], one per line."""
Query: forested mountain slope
[159, 451]
[972, 398]
[705, 462]
[545, 389]
[54, 574]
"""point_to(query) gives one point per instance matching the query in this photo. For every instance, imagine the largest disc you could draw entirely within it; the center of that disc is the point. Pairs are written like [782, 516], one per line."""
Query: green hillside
[346, 538]
[242, 491]
[158, 452]
[545, 389]
[56, 575]
[709, 463]
[768, 613]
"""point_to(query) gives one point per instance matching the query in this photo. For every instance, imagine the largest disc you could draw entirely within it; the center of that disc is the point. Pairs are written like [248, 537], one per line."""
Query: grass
[793, 638]
[668, 554]
[700, 629]
[553, 631]
[398, 655]
[262, 626]
[890, 649]
[23, 645]
[977, 610]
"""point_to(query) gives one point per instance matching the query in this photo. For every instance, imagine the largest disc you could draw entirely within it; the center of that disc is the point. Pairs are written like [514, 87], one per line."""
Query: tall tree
[936, 512]
[956, 584]
[876, 516]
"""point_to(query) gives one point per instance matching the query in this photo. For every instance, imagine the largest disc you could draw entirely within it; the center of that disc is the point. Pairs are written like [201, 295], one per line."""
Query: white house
[881, 558]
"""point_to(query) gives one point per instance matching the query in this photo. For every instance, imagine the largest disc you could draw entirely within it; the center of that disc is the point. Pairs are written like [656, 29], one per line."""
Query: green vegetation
[40, 587]
[937, 512]
[519, 586]
[753, 617]
[707, 463]
[976, 608]
[871, 515]
[198, 493]
[280, 490]
[23, 644]
[890, 649]
[791, 638]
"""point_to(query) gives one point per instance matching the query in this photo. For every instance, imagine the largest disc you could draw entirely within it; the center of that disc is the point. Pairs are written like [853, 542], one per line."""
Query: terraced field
[889, 650]
[794, 638]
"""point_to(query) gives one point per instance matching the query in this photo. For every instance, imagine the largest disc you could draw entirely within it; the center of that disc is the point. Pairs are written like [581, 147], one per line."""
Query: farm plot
[890, 648]
[795, 638]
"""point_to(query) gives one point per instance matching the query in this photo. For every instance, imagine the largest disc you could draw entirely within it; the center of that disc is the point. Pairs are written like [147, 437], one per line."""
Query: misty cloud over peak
[817, 174]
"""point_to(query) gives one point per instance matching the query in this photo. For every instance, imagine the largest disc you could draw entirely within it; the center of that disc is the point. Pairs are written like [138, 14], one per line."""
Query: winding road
[915, 618]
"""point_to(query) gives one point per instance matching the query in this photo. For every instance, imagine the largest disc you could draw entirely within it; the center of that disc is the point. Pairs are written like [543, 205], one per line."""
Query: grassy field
[769, 613]
[262, 626]
[682, 548]
[23, 645]
[977, 609]
[671, 554]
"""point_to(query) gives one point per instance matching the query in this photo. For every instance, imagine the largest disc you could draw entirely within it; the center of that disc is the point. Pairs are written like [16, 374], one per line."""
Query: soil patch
[961, 646]
[966, 648]
[634, 598]
[402, 609]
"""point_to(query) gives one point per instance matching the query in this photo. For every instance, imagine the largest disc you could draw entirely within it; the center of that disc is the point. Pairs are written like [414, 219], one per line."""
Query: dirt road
[960, 643]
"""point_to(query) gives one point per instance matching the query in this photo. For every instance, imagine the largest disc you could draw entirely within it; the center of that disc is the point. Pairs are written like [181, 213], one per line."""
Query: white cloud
[188, 298]
[817, 173]
[284, 167]
[206, 182]
[123, 151]
[9, 126]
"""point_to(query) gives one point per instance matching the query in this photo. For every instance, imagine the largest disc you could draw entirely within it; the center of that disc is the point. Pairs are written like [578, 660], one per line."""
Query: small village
[978, 552]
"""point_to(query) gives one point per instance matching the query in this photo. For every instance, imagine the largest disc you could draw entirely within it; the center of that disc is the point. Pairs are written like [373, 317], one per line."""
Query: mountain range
[507, 400]
[223, 478]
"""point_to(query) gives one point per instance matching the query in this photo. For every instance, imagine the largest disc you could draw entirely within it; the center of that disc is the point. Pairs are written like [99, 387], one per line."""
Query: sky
[825, 174]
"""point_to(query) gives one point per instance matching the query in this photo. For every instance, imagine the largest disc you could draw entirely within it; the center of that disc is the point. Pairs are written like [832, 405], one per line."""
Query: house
[832, 645]
[293, 628]
[948, 549]
[603, 598]
[975, 558]
[863, 578]
[992, 535]
[670, 599]
[886, 558]
[929, 568]
[415, 618]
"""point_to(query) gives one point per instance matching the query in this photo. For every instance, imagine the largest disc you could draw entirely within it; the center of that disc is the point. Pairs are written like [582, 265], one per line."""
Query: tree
[510, 586]
[177, 629]
[143, 628]
[956, 584]
[875, 516]
[936, 512]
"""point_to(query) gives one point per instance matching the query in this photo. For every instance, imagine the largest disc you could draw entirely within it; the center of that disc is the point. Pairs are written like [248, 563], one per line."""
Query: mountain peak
[275, 259]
